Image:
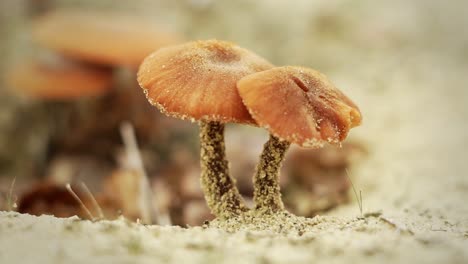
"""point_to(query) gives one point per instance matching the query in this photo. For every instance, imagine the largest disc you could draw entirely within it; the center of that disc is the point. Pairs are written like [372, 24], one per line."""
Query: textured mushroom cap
[197, 80]
[299, 105]
[101, 38]
[58, 82]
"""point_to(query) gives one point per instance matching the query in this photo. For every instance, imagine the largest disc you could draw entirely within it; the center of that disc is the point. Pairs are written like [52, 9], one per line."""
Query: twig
[358, 198]
[93, 200]
[149, 213]
[373, 214]
[11, 203]
[131, 146]
[399, 227]
[70, 190]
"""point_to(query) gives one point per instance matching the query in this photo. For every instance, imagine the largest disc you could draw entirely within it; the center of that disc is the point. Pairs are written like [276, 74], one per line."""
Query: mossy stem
[221, 193]
[267, 195]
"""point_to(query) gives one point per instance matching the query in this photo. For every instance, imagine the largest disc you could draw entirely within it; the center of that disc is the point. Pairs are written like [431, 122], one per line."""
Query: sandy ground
[412, 92]
[407, 239]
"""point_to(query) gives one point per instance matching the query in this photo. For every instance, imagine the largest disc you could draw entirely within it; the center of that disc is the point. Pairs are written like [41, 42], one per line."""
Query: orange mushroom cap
[299, 105]
[98, 37]
[58, 82]
[197, 80]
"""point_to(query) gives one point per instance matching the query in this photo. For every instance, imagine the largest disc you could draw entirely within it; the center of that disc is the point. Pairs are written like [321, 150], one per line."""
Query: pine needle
[93, 200]
[70, 190]
[358, 198]
[149, 212]
[11, 202]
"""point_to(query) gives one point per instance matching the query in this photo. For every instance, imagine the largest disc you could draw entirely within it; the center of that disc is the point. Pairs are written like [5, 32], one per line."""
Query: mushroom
[58, 81]
[99, 37]
[197, 81]
[114, 40]
[297, 105]
[53, 199]
[58, 88]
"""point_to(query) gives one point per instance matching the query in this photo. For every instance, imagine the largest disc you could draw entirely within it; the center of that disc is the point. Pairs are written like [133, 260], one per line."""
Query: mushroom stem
[221, 194]
[267, 195]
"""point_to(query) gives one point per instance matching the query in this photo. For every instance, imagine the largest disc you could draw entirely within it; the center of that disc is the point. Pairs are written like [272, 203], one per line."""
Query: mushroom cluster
[80, 82]
[197, 81]
[81, 76]
[215, 82]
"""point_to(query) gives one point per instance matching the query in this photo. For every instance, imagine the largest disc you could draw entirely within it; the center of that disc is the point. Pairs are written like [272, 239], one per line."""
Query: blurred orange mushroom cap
[99, 37]
[197, 80]
[58, 82]
[299, 105]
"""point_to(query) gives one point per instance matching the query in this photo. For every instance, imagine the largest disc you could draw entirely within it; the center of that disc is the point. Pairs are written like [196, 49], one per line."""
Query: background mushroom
[106, 38]
[297, 105]
[62, 91]
[54, 199]
[59, 90]
[58, 81]
[197, 81]
[113, 41]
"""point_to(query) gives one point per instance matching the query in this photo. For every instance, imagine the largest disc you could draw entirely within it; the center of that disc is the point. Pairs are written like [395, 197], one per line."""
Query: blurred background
[70, 104]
